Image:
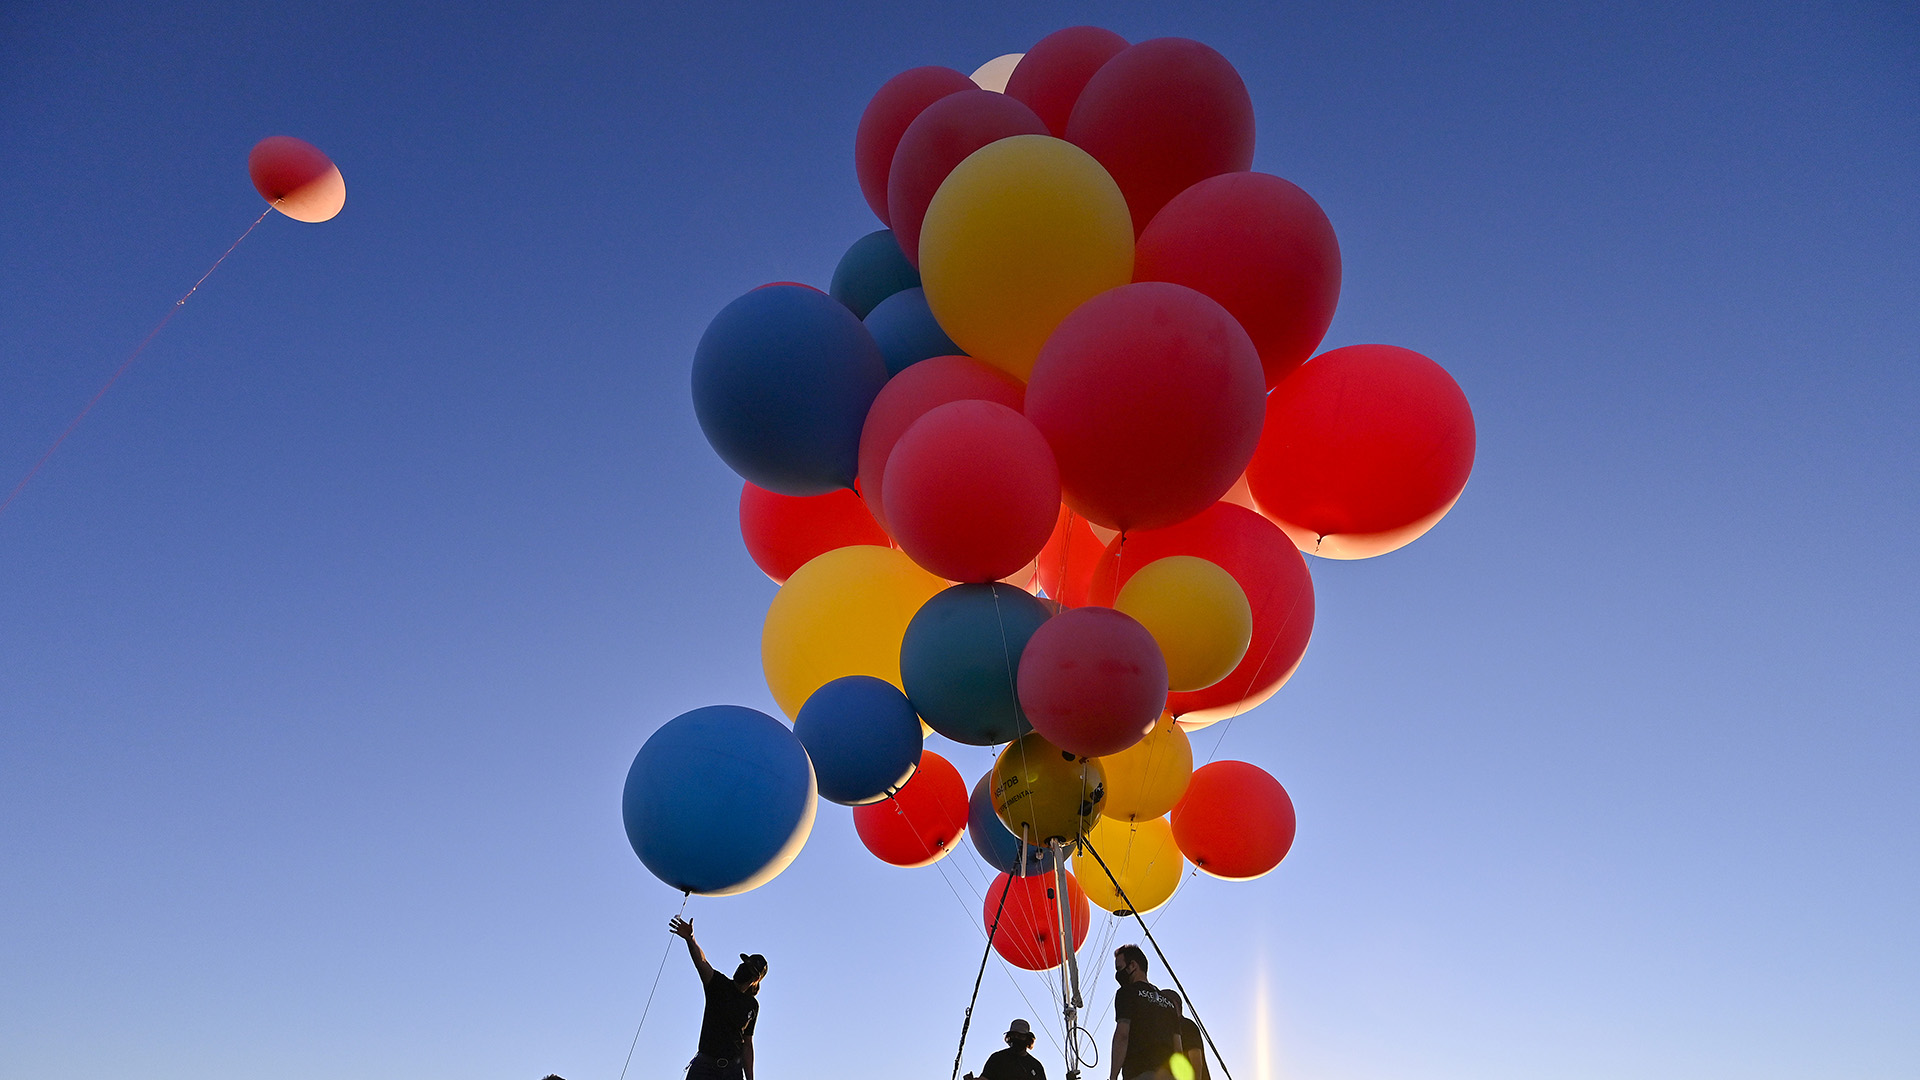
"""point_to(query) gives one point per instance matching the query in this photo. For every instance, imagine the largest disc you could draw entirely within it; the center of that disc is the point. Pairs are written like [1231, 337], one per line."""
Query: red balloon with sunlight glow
[1065, 566]
[299, 180]
[910, 395]
[1029, 931]
[1092, 681]
[972, 491]
[784, 532]
[1235, 821]
[922, 821]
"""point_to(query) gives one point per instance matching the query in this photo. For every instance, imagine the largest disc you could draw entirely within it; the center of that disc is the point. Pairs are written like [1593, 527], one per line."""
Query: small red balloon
[893, 107]
[1051, 75]
[1028, 935]
[1235, 821]
[1163, 116]
[919, 824]
[296, 178]
[784, 532]
[1261, 247]
[908, 396]
[1066, 565]
[940, 138]
[1151, 396]
[1092, 681]
[1365, 449]
[972, 491]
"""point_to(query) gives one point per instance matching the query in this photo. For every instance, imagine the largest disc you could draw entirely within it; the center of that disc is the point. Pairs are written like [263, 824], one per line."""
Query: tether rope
[967, 1020]
[684, 897]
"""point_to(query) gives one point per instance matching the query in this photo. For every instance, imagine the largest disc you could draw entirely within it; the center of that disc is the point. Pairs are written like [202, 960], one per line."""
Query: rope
[967, 1021]
[684, 897]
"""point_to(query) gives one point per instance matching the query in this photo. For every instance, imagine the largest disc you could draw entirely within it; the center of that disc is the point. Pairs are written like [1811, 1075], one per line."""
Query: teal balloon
[904, 328]
[959, 657]
[871, 270]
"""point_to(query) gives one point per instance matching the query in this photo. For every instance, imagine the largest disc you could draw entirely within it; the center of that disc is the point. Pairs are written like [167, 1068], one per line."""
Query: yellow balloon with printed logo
[1143, 858]
[843, 613]
[1147, 778]
[1019, 234]
[1042, 792]
[1197, 613]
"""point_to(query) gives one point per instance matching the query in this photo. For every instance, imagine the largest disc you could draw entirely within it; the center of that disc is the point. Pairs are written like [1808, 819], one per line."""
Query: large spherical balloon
[1197, 614]
[296, 178]
[972, 491]
[1144, 862]
[1043, 793]
[960, 656]
[1261, 247]
[784, 532]
[1028, 934]
[1146, 779]
[906, 331]
[922, 822]
[1271, 573]
[1092, 681]
[912, 394]
[941, 137]
[781, 383]
[863, 737]
[841, 614]
[1001, 849]
[872, 270]
[1151, 397]
[1021, 233]
[887, 117]
[1066, 564]
[1051, 75]
[1162, 116]
[993, 74]
[719, 800]
[1365, 449]
[1235, 821]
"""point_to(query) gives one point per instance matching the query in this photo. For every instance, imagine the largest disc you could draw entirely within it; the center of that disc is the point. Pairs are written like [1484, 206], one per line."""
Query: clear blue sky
[327, 640]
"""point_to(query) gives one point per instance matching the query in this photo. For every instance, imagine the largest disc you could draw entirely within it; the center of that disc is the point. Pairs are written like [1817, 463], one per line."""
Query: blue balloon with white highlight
[863, 737]
[995, 842]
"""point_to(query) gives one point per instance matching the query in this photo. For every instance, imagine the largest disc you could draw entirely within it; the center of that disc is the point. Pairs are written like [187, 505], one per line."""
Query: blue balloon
[871, 270]
[719, 800]
[995, 842]
[781, 384]
[959, 658]
[863, 738]
[904, 328]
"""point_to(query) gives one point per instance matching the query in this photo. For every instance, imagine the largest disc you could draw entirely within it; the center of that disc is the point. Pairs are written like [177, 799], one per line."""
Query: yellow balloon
[843, 613]
[1043, 793]
[1147, 778]
[1144, 860]
[1198, 614]
[1020, 233]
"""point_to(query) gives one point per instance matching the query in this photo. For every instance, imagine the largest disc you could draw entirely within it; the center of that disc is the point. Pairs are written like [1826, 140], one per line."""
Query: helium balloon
[863, 738]
[1044, 793]
[781, 383]
[960, 656]
[1146, 779]
[296, 178]
[872, 270]
[1021, 233]
[1151, 397]
[841, 614]
[922, 822]
[1235, 821]
[886, 118]
[1365, 449]
[1262, 248]
[1142, 858]
[784, 532]
[1028, 934]
[972, 491]
[1092, 681]
[941, 137]
[1051, 75]
[904, 328]
[1162, 116]
[992, 75]
[719, 800]
[999, 848]
[912, 394]
[1066, 564]
[1197, 614]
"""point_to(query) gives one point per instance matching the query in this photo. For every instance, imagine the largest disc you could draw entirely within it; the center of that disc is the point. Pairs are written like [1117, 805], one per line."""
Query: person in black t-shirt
[726, 1028]
[1192, 1042]
[1014, 1063]
[1146, 1032]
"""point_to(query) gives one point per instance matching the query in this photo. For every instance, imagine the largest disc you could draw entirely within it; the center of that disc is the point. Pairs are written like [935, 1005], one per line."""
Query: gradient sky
[327, 640]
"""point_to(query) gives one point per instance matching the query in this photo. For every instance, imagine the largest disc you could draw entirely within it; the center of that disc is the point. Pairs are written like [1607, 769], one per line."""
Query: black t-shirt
[729, 1019]
[1190, 1037]
[1011, 1064]
[1152, 1022]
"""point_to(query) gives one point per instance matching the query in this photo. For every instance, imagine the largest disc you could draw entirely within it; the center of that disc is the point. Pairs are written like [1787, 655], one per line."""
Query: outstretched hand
[682, 928]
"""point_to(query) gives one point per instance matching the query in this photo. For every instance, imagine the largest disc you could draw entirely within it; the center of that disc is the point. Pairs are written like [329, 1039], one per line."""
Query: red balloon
[1261, 247]
[1269, 570]
[1163, 116]
[1092, 681]
[972, 491]
[886, 118]
[784, 532]
[1151, 396]
[296, 178]
[1065, 567]
[919, 824]
[1235, 821]
[1051, 75]
[1365, 449]
[909, 395]
[1029, 931]
[940, 138]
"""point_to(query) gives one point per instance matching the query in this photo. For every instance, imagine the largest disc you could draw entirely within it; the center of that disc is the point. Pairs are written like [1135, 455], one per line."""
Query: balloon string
[966, 1021]
[684, 897]
[128, 363]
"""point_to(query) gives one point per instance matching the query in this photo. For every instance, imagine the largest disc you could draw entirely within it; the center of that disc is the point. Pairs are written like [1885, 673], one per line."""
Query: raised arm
[683, 928]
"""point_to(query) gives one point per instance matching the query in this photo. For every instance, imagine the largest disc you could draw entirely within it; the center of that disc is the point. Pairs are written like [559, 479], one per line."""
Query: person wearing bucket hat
[726, 1028]
[1014, 1063]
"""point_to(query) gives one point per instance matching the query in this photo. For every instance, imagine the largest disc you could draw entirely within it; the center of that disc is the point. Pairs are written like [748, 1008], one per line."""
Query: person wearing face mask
[1146, 1032]
[726, 1028]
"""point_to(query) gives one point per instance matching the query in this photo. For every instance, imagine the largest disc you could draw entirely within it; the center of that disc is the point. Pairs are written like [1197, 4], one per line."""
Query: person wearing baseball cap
[726, 1028]
[1014, 1063]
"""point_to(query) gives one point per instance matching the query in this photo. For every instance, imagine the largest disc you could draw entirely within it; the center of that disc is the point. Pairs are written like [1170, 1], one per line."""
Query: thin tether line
[656, 985]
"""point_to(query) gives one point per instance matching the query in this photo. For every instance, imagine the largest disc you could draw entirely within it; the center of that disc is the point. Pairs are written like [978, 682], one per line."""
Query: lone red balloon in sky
[1051, 75]
[972, 491]
[1092, 681]
[1235, 821]
[922, 821]
[784, 532]
[299, 180]
[939, 138]
[893, 107]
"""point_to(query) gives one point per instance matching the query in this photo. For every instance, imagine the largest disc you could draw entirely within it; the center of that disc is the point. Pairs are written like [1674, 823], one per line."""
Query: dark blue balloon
[781, 384]
[719, 800]
[863, 737]
[959, 657]
[995, 842]
[872, 270]
[904, 328]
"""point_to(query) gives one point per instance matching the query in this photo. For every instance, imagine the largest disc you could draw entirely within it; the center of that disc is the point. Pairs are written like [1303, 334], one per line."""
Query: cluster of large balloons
[1036, 471]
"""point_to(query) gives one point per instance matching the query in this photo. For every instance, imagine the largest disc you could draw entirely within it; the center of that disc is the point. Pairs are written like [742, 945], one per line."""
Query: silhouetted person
[1014, 1063]
[1192, 1043]
[1146, 1022]
[726, 1029]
